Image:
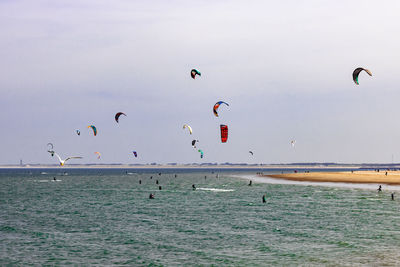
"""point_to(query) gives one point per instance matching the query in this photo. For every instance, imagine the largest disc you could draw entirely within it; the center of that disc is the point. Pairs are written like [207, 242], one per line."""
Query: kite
[357, 71]
[187, 126]
[194, 72]
[224, 133]
[216, 106]
[117, 116]
[94, 129]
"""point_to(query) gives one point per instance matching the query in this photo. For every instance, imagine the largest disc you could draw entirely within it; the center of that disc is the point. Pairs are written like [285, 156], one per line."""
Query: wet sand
[368, 177]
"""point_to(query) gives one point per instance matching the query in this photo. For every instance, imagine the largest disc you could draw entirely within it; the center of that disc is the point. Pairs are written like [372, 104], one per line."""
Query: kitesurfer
[156, 181]
[250, 183]
[393, 196]
[54, 178]
[151, 196]
[380, 188]
[140, 181]
[264, 199]
[193, 187]
[159, 188]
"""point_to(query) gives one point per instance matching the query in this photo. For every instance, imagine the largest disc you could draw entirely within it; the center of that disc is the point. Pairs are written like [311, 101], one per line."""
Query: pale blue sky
[283, 66]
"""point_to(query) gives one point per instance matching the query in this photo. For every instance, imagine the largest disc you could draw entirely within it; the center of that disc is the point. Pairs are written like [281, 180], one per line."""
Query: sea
[198, 217]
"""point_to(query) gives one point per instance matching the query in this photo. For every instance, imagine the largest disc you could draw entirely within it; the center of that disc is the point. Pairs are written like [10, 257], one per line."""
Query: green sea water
[105, 217]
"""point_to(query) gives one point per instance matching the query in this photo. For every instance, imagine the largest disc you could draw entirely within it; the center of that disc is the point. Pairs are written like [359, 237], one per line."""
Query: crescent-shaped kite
[357, 71]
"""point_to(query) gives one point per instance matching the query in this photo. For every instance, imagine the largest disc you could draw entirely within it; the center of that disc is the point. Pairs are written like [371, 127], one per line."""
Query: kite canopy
[117, 116]
[187, 126]
[94, 129]
[134, 153]
[194, 72]
[224, 133]
[216, 106]
[194, 143]
[98, 154]
[357, 71]
[201, 153]
[251, 152]
[50, 148]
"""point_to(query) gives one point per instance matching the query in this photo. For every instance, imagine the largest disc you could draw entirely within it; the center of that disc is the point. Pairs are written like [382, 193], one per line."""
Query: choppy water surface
[105, 217]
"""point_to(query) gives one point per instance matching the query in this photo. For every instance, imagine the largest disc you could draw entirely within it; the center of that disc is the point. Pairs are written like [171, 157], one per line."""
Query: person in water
[250, 183]
[380, 188]
[193, 187]
[264, 199]
[151, 196]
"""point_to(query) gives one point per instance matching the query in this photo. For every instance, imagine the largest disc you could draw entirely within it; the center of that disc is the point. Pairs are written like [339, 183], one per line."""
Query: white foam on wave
[215, 189]
[270, 180]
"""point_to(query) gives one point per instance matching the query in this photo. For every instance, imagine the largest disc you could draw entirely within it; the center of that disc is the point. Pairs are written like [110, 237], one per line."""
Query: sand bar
[366, 177]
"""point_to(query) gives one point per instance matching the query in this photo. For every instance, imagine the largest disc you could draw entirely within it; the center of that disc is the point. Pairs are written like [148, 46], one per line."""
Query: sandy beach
[371, 177]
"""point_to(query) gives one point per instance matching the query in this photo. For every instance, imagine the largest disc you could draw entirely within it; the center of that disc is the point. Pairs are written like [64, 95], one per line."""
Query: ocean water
[105, 217]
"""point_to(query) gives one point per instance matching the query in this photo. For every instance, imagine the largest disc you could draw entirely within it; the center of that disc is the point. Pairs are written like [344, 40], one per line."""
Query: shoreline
[356, 177]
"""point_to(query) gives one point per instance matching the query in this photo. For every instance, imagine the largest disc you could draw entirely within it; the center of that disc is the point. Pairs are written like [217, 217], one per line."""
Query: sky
[284, 67]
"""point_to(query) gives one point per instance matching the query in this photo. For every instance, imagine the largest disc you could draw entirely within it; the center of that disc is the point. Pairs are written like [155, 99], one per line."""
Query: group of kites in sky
[223, 127]
[50, 146]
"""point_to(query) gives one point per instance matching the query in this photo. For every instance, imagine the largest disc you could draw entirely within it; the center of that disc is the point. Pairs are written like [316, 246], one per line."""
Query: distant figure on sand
[264, 198]
[250, 183]
[380, 188]
[193, 187]
[386, 173]
[151, 196]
